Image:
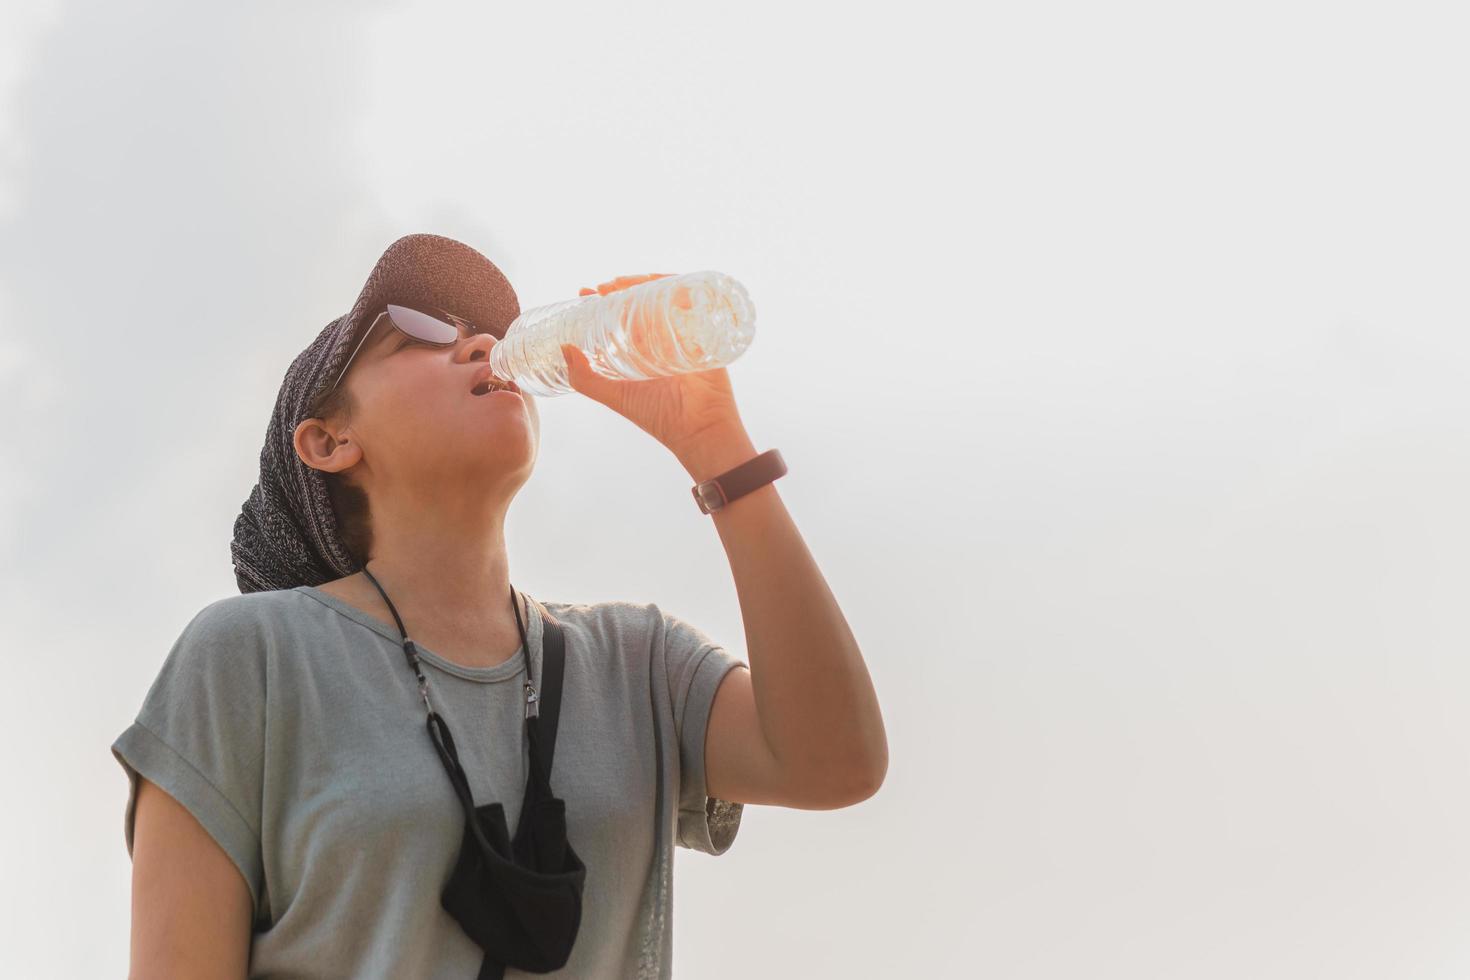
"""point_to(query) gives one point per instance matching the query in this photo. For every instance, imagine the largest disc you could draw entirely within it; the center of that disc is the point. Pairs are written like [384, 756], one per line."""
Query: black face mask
[520, 900]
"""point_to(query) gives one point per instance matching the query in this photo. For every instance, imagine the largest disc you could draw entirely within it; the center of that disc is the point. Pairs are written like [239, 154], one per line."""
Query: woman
[289, 815]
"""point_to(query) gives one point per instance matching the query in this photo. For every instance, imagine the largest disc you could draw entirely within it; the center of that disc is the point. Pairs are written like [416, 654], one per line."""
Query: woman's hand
[681, 410]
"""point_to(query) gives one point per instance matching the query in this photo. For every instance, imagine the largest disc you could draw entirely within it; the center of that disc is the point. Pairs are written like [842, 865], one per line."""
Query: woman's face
[417, 423]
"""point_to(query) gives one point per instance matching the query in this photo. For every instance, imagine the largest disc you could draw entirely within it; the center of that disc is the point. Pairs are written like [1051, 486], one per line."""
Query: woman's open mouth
[491, 385]
[484, 382]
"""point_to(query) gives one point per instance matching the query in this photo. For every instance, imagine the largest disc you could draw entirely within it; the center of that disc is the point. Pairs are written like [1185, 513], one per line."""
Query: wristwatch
[753, 474]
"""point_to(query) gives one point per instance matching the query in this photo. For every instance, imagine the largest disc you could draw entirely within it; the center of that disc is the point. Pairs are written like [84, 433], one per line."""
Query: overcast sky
[1119, 354]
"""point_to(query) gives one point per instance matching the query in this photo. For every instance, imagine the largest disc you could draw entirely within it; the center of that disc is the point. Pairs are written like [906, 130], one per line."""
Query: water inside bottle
[652, 329]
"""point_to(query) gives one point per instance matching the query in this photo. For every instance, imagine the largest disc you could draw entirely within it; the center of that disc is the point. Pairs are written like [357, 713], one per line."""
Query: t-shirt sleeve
[200, 735]
[696, 665]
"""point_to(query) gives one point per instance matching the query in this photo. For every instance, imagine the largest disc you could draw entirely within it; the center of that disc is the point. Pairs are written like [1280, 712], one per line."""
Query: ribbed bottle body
[695, 321]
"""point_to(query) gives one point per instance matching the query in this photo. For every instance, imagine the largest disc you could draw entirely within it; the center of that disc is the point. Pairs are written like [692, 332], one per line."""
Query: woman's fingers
[622, 282]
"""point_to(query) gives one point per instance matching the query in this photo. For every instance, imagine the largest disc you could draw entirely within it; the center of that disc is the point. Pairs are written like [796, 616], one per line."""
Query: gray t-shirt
[290, 725]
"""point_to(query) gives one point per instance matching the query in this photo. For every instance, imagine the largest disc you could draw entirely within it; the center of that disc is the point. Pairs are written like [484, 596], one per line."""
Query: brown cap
[286, 534]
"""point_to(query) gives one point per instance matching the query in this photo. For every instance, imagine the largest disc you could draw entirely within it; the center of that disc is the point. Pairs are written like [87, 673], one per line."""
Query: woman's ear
[324, 448]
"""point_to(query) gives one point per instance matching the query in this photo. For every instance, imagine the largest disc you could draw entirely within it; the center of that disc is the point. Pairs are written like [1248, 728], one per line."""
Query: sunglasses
[415, 325]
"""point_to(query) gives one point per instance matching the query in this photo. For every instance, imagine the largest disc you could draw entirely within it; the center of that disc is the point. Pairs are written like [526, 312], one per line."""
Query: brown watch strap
[753, 474]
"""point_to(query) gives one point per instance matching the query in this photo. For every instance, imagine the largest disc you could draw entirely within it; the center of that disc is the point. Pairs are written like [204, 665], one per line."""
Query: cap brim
[433, 273]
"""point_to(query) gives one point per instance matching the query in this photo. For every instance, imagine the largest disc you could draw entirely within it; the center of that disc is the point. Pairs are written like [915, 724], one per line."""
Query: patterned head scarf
[286, 534]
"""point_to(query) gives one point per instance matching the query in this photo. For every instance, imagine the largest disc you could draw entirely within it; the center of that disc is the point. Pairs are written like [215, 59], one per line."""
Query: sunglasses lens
[423, 326]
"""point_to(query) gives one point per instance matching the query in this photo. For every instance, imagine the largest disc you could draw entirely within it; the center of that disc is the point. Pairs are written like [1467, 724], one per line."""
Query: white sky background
[1119, 354]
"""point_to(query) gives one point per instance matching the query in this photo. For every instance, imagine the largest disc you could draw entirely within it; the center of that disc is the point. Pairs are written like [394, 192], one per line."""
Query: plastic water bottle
[695, 321]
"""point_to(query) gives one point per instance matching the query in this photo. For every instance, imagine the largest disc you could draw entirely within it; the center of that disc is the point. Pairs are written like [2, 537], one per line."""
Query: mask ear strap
[450, 757]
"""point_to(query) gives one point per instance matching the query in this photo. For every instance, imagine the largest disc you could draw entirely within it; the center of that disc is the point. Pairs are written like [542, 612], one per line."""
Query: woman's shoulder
[618, 621]
[614, 612]
[250, 615]
[251, 605]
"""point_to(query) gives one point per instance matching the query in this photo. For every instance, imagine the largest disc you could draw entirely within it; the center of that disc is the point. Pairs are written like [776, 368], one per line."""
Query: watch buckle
[710, 495]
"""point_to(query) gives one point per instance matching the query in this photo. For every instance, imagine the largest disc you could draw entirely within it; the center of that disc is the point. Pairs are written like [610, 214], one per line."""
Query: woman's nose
[477, 346]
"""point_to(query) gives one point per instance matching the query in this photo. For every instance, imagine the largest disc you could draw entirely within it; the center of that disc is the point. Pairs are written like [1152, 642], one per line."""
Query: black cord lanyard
[411, 652]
